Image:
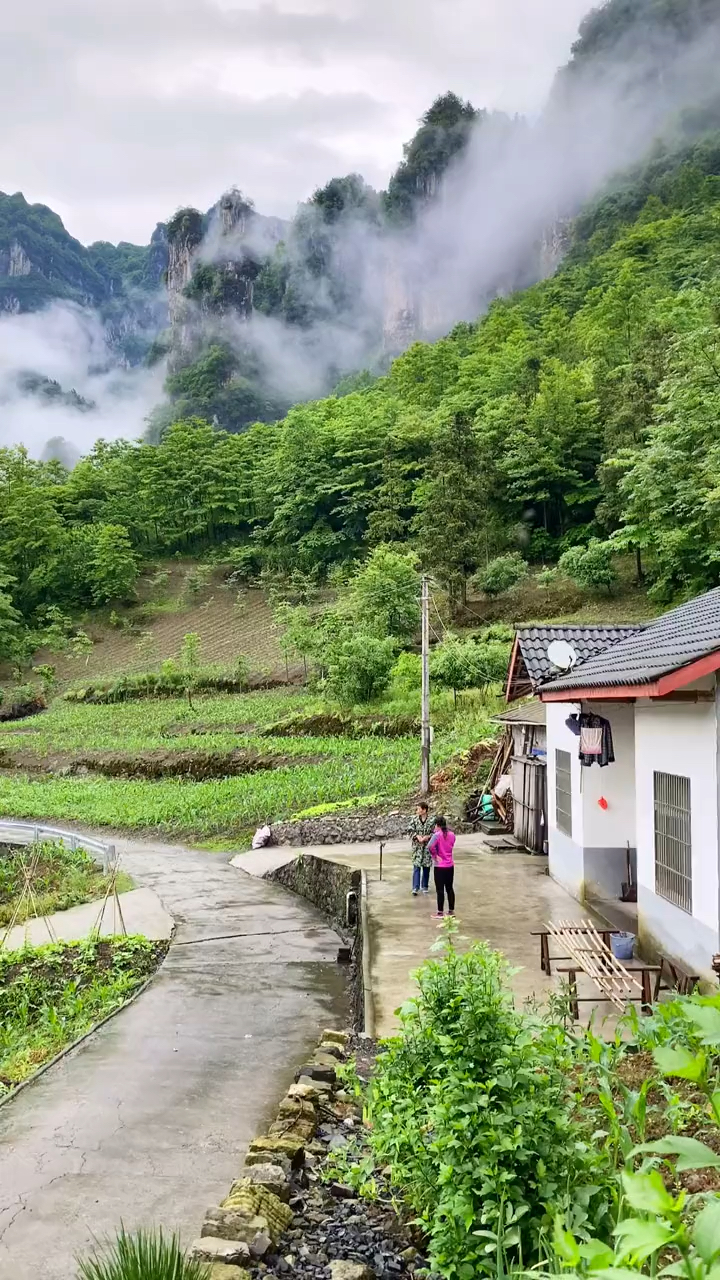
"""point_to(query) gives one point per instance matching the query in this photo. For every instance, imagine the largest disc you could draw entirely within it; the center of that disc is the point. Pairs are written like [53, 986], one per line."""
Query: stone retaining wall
[342, 828]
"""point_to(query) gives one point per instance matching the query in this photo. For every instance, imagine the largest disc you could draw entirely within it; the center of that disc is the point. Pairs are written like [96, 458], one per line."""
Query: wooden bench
[592, 955]
[678, 978]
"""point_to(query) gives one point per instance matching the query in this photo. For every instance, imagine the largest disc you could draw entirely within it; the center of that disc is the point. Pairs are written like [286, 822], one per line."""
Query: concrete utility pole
[425, 713]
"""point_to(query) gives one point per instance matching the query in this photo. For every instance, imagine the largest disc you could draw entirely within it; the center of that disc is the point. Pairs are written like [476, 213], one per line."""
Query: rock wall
[342, 828]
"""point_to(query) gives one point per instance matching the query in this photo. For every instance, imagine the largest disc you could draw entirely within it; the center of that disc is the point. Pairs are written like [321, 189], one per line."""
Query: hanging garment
[591, 742]
[596, 744]
[573, 724]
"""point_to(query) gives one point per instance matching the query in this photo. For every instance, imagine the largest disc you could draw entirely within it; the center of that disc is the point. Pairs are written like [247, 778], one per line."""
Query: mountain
[580, 412]
[254, 314]
[41, 263]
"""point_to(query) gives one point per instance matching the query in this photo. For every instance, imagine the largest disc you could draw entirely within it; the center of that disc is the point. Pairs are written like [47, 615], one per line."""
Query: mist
[496, 224]
[68, 345]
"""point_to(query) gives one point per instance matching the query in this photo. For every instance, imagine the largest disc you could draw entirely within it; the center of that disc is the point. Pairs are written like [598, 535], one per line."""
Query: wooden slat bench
[592, 955]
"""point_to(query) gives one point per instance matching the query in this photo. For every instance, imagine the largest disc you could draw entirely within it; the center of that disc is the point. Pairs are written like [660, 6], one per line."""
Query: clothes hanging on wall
[596, 744]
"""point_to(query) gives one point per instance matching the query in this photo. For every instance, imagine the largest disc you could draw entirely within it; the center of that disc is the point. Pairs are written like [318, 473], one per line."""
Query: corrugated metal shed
[527, 713]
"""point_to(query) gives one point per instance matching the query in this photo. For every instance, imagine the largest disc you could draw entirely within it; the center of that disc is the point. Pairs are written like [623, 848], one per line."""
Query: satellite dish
[562, 655]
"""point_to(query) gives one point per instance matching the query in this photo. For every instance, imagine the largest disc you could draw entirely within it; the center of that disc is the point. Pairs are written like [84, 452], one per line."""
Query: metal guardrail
[31, 832]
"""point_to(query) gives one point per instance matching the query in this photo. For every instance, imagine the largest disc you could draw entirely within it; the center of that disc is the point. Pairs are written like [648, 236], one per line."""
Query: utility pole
[425, 713]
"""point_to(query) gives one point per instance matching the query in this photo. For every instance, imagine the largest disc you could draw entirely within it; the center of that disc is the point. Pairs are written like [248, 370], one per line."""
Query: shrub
[591, 566]
[407, 673]
[501, 574]
[470, 1109]
[360, 668]
[467, 664]
[147, 1255]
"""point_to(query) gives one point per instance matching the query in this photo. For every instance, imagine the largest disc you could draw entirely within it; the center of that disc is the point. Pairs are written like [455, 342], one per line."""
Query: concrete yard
[501, 898]
[147, 1121]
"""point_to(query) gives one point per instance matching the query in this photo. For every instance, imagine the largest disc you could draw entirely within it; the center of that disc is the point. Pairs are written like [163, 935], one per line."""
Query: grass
[51, 995]
[342, 769]
[61, 878]
[146, 1255]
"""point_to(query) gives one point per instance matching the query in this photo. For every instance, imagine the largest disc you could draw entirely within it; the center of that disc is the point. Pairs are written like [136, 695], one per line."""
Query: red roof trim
[665, 684]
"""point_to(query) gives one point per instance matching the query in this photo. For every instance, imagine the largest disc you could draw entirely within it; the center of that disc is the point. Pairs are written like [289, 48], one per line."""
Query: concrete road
[142, 912]
[147, 1121]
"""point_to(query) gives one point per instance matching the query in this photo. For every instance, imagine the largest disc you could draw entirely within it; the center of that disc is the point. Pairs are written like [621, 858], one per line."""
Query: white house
[656, 807]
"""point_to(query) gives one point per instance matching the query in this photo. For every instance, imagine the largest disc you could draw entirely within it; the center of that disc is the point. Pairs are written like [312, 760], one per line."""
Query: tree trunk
[639, 574]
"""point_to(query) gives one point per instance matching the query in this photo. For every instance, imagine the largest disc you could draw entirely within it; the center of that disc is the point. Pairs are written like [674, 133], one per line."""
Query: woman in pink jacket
[441, 851]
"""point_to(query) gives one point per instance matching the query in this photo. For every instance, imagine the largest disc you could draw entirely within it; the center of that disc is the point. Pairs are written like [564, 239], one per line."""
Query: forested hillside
[585, 407]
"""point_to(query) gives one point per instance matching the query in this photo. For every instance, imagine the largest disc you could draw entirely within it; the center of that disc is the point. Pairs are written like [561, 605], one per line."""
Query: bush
[360, 668]
[501, 574]
[591, 566]
[407, 673]
[471, 1111]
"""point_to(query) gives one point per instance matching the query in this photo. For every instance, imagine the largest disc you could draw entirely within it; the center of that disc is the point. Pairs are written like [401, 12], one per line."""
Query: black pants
[444, 877]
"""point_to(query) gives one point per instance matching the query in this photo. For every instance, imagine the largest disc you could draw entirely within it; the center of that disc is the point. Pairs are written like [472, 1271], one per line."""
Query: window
[673, 850]
[563, 792]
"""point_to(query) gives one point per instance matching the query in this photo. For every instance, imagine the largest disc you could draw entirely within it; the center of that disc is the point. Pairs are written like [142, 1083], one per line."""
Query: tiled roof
[527, 713]
[586, 641]
[684, 635]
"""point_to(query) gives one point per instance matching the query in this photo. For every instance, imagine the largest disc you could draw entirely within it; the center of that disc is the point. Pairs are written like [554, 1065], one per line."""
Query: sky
[117, 112]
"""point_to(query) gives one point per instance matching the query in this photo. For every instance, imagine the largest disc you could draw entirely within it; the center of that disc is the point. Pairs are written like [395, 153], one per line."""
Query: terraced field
[56, 765]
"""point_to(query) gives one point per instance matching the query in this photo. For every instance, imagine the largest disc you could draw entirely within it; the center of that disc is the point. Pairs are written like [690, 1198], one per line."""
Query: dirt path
[147, 1120]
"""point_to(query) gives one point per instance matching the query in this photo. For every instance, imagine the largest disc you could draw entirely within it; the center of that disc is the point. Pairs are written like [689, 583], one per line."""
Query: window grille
[563, 792]
[673, 848]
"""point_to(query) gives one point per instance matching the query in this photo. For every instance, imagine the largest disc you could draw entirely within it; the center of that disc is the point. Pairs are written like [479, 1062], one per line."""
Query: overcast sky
[115, 112]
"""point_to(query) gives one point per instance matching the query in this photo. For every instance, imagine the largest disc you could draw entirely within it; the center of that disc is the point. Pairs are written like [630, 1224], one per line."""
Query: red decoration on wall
[603, 802]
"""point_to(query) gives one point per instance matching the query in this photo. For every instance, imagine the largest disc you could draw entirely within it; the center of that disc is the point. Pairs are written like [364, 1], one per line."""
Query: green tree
[501, 574]
[383, 596]
[113, 565]
[10, 623]
[360, 668]
[590, 566]
[453, 515]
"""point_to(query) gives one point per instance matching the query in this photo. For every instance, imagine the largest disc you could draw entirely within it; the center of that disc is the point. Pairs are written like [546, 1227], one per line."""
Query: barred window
[673, 849]
[563, 792]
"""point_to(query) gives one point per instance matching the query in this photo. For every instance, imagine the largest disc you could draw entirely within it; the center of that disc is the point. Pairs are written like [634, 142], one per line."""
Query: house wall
[593, 862]
[679, 738]
[566, 857]
[608, 832]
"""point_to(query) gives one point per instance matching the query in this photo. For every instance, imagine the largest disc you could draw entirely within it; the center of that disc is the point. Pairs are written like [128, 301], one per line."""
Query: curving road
[146, 1122]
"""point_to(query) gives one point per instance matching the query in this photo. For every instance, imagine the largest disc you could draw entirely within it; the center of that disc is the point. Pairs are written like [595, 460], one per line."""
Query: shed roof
[527, 713]
[679, 639]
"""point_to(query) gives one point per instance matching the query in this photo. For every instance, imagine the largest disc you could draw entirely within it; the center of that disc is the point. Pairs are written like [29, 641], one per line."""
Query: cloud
[67, 344]
[116, 113]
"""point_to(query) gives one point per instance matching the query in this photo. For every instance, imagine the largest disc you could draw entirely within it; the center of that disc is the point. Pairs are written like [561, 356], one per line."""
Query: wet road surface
[147, 1121]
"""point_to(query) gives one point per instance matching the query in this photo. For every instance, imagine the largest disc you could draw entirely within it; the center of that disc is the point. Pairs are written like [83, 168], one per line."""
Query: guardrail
[31, 832]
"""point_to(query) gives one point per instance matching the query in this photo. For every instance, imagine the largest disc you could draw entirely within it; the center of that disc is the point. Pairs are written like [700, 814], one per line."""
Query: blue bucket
[622, 945]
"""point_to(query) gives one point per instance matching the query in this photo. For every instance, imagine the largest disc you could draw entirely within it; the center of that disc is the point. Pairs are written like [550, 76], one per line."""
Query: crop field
[228, 623]
[38, 756]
